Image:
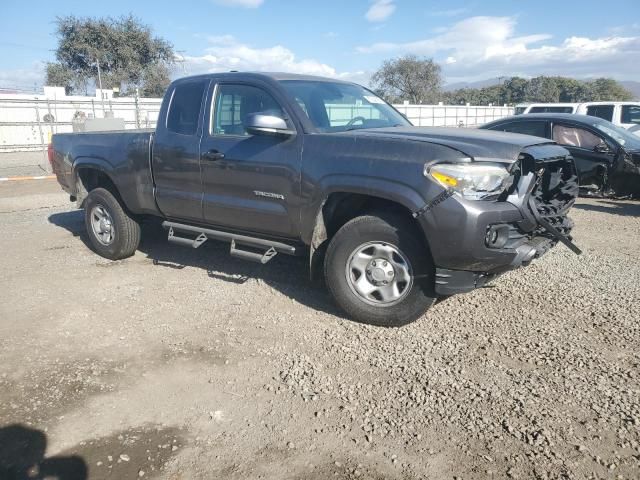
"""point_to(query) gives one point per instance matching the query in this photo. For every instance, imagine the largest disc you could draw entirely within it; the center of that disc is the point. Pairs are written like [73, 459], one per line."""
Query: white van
[624, 114]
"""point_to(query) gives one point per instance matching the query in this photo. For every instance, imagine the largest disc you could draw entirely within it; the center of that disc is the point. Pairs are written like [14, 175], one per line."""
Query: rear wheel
[114, 234]
[379, 272]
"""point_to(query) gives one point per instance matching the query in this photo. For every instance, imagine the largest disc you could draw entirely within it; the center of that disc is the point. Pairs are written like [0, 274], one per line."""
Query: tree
[607, 89]
[515, 90]
[541, 89]
[126, 50]
[155, 81]
[408, 78]
[572, 90]
[59, 76]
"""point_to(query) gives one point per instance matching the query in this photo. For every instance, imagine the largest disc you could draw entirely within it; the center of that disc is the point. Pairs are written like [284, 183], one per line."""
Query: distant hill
[631, 85]
[479, 84]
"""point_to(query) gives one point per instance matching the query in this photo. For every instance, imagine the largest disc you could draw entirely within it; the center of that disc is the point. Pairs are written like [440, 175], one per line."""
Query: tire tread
[390, 225]
[127, 228]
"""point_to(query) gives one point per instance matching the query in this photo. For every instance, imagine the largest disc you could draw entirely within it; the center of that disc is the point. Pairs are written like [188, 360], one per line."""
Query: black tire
[390, 230]
[125, 230]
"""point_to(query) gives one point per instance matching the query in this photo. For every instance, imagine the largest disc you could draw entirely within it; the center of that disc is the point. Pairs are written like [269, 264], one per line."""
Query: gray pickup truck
[393, 215]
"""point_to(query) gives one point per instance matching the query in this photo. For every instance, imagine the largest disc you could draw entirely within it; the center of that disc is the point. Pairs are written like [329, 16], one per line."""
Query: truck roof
[277, 76]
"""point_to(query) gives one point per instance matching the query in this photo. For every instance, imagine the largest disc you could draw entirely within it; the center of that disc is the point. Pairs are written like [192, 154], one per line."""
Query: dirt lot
[189, 364]
[24, 164]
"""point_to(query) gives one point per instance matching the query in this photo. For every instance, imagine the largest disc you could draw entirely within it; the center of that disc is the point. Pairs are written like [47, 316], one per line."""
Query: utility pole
[100, 85]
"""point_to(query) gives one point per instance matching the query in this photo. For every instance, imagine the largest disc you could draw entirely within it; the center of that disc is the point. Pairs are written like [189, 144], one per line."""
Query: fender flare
[385, 189]
[95, 163]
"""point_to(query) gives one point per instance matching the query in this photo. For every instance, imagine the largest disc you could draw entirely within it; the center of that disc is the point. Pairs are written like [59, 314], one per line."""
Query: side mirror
[264, 124]
[602, 148]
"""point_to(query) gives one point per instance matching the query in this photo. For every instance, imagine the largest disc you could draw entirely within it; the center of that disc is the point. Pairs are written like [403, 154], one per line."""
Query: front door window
[235, 102]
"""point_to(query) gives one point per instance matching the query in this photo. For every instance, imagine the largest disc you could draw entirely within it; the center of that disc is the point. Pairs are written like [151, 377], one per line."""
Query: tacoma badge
[258, 193]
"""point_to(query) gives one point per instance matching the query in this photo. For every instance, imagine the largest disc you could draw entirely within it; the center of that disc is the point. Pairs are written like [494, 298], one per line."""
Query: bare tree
[408, 78]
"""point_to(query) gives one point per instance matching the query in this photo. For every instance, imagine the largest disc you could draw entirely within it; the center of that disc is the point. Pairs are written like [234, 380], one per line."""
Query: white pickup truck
[624, 114]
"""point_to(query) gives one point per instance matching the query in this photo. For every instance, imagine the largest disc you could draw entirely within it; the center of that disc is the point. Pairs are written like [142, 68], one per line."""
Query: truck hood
[474, 143]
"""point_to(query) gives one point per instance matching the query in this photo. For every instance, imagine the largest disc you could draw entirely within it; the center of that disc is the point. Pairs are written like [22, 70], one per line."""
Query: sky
[472, 40]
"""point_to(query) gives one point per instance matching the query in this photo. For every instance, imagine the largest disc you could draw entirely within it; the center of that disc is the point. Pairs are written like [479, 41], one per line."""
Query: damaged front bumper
[473, 242]
[450, 282]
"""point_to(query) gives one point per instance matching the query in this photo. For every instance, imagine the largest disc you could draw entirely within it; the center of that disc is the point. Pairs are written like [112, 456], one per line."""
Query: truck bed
[123, 155]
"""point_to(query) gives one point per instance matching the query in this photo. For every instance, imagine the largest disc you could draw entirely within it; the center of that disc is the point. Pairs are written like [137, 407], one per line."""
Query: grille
[555, 191]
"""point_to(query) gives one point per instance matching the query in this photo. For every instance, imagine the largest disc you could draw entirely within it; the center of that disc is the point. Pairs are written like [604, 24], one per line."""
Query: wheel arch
[90, 174]
[341, 205]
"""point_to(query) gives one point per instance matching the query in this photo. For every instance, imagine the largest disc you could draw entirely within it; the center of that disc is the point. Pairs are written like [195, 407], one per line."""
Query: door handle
[213, 155]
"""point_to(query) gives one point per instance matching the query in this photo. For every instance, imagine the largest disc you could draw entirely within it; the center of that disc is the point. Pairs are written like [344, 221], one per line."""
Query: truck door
[250, 182]
[176, 151]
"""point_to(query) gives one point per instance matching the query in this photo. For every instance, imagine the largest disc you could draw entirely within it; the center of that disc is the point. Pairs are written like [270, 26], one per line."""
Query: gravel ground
[184, 364]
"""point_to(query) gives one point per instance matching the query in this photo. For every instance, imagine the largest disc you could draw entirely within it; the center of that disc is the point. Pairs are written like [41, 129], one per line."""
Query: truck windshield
[338, 107]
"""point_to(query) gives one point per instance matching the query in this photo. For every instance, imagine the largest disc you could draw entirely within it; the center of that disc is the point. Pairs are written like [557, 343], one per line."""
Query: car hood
[477, 144]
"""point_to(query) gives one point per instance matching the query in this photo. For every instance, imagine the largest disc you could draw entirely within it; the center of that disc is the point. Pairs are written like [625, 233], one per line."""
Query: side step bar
[271, 248]
[252, 256]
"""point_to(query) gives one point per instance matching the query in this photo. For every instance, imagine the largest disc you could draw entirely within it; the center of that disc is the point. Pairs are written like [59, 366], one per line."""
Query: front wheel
[114, 234]
[379, 272]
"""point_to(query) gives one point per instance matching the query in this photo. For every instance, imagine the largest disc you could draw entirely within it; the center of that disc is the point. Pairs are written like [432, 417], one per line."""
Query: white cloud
[226, 53]
[240, 3]
[23, 78]
[482, 47]
[454, 12]
[380, 10]
[362, 77]
[223, 53]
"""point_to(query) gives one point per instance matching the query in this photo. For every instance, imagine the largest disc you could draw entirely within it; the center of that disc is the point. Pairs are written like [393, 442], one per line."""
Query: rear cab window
[184, 110]
[601, 111]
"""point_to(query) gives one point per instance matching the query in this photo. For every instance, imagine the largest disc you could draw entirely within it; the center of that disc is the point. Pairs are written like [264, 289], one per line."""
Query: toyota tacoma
[392, 215]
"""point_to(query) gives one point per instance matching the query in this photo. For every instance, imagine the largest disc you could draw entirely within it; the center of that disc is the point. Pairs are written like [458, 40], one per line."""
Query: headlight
[473, 181]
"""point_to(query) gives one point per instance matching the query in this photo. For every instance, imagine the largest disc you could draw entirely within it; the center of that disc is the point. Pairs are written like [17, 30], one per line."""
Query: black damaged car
[607, 156]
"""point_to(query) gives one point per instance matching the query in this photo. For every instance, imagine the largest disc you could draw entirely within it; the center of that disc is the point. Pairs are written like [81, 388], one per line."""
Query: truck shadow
[288, 275]
[22, 456]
